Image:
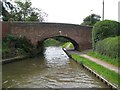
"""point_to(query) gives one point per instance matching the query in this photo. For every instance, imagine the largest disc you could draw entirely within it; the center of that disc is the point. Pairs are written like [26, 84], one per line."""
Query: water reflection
[55, 58]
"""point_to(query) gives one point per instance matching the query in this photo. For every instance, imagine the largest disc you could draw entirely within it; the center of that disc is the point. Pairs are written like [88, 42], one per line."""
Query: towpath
[98, 61]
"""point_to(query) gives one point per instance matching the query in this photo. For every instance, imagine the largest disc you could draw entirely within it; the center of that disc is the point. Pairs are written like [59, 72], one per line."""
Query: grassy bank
[68, 43]
[110, 60]
[111, 76]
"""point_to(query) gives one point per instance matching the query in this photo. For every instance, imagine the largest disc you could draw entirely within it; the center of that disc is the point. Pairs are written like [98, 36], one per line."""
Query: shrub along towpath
[98, 61]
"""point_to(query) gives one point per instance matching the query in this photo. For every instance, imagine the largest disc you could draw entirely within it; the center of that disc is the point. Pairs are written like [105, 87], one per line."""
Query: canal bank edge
[14, 59]
[112, 87]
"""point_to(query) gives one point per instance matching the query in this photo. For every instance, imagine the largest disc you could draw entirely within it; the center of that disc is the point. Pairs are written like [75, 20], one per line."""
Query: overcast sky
[74, 11]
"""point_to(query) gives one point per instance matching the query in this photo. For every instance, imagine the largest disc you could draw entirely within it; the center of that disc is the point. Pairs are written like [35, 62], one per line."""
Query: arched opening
[75, 44]
[40, 44]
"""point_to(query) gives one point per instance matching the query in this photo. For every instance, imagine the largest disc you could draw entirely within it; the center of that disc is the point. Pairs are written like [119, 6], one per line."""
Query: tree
[91, 20]
[6, 7]
[0, 10]
[23, 11]
[27, 13]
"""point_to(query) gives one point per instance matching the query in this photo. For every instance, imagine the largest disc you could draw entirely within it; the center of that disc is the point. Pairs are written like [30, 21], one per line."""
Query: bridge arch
[75, 44]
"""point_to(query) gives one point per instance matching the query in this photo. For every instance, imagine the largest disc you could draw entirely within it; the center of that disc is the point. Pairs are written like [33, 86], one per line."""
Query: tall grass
[113, 61]
[109, 47]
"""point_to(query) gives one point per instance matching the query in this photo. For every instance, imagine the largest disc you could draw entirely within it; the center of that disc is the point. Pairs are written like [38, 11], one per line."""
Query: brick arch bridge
[80, 36]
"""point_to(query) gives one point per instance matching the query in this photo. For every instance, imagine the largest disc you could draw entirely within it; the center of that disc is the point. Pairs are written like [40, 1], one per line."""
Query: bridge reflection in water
[53, 70]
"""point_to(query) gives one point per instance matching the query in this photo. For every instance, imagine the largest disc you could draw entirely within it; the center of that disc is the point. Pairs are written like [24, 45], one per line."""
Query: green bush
[11, 42]
[61, 39]
[109, 47]
[105, 29]
[10, 38]
[24, 43]
[51, 42]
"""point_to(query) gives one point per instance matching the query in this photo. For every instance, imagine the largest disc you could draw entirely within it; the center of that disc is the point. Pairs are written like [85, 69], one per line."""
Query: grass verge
[111, 76]
[113, 61]
[66, 44]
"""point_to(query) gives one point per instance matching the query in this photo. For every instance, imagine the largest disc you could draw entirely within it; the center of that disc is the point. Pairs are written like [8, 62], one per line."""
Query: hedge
[105, 29]
[109, 47]
[11, 41]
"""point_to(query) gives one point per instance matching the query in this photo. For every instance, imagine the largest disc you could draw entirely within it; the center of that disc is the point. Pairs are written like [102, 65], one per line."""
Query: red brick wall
[5, 28]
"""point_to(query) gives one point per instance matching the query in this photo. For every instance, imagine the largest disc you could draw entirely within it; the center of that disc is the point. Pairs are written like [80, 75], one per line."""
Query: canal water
[53, 70]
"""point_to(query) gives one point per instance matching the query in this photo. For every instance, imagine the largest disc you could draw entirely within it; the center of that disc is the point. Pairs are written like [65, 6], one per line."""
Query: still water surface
[53, 70]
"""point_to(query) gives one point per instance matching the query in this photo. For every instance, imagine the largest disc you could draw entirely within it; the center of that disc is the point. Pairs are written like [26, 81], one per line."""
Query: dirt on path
[98, 61]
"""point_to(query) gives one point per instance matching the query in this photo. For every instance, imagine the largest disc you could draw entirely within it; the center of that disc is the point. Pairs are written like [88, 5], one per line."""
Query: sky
[74, 11]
